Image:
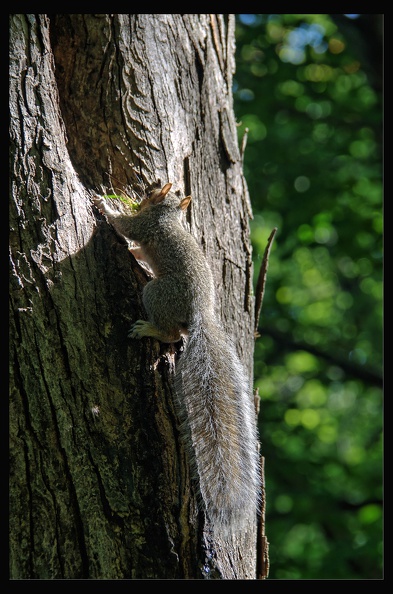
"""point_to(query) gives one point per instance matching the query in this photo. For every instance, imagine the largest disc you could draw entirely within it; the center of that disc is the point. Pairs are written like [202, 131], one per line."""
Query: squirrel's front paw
[99, 202]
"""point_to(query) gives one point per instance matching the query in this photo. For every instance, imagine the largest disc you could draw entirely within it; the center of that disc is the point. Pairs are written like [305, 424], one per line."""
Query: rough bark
[99, 482]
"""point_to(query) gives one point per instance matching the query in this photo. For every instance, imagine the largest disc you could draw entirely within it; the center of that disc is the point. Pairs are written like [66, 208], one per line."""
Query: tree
[99, 483]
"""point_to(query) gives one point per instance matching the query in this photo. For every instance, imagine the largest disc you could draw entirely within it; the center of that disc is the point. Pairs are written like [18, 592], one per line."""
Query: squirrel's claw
[139, 329]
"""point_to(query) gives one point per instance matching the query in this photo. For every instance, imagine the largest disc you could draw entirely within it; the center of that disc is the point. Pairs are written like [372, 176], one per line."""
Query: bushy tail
[219, 426]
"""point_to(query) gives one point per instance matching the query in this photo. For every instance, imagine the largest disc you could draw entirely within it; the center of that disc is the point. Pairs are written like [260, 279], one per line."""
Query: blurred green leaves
[313, 165]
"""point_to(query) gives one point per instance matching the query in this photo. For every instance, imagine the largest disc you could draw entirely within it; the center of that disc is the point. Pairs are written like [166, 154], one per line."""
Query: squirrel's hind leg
[143, 328]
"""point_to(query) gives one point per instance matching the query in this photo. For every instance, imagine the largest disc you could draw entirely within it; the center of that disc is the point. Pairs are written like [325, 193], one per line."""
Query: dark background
[309, 90]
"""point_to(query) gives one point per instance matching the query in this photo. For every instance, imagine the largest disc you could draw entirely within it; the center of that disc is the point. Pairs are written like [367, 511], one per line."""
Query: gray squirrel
[214, 401]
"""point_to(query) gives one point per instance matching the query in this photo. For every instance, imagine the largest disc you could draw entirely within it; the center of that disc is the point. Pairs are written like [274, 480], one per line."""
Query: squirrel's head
[162, 196]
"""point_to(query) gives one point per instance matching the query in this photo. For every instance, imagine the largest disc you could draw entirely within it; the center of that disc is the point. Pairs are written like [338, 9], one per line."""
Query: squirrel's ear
[185, 202]
[158, 196]
[166, 189]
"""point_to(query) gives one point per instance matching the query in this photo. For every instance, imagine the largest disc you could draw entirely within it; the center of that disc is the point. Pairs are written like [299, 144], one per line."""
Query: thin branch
[260, 288]
[262, 542]
[244, 143]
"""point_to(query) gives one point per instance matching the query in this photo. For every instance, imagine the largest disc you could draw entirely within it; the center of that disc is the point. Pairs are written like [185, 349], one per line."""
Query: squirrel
[214, 401]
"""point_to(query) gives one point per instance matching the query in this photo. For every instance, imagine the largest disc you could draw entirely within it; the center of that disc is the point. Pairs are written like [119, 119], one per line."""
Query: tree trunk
[100, 486]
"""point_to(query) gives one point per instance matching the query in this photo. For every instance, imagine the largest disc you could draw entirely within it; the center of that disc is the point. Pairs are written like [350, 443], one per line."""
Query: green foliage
[129, 202]
[313, 166]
